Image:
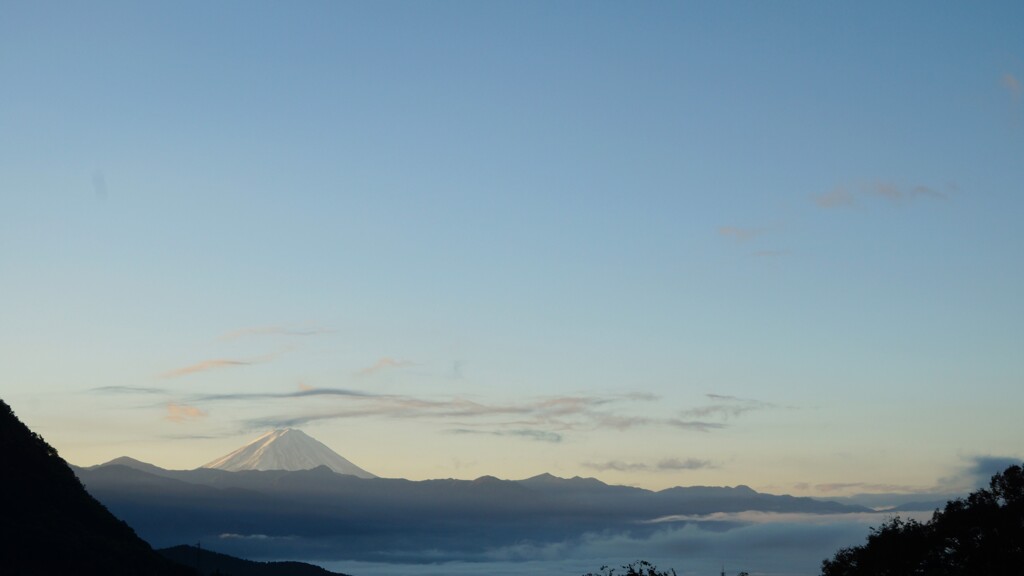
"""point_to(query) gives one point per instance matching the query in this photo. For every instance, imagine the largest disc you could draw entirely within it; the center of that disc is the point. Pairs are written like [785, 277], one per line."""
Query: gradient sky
[772, 243]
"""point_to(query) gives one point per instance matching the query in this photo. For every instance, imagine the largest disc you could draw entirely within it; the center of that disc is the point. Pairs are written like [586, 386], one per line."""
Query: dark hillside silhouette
[980, 534]
[49, 524]
[213, 563]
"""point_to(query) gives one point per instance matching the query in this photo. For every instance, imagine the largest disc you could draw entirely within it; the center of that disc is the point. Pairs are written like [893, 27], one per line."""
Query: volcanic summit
[287, 449]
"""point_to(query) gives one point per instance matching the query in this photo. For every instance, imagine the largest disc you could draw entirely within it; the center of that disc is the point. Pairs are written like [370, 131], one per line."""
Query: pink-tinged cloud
[203, 367]
[929, 192]
[837, 198]
[183, 413]
[738, 233]
[887, 190]
[1013, 85]
[385, 363]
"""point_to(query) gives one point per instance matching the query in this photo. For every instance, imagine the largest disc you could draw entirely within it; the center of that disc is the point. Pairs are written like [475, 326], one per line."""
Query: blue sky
[775, 244]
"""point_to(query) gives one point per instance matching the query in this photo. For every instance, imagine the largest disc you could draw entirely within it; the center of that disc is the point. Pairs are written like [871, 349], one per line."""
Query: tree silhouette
[638, 568]
[980, 534]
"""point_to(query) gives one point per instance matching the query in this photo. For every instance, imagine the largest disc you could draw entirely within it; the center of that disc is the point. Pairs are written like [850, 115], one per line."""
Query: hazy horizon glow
[773, 244]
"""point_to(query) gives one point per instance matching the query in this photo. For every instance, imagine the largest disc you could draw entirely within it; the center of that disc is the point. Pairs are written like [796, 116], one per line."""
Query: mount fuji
[287, 449]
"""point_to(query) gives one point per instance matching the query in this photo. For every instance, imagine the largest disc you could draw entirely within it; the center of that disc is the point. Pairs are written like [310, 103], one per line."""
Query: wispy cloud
[928, 192]
[687, 464]
[723, 397]
[741, 234]
[557, 412]
[275, 331]
[385, 363]
[567, 405]
[537, 419]
[886, 190]
[695, 425]
[725, 407]
[540, 435]
[128, 390]
[1013, 85]
[537, 435]
[620, 422]
[842, 197]
[616, 465]
[300, 393]
[258, 537]
[642, 396]
[839, 197]
[544, 419]
[666, 465]
[183, 413]
[895, 193]
[851, 487]
[204, 366]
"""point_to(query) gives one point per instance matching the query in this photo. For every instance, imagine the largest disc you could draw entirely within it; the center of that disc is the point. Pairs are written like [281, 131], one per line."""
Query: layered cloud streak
[545, 419]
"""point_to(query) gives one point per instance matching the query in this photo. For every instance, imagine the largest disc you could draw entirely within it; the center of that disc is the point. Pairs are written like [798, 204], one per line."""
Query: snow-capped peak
[287, 449]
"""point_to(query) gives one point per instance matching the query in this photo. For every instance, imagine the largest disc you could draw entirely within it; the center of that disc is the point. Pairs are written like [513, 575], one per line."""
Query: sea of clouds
[759, 543]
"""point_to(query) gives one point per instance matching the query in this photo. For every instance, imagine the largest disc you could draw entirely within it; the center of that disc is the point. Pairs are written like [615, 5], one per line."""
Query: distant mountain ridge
[318, 513]
[136, 464]
[286, 449]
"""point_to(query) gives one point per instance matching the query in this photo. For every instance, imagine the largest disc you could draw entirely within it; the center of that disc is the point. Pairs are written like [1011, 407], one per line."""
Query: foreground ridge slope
[51, 525]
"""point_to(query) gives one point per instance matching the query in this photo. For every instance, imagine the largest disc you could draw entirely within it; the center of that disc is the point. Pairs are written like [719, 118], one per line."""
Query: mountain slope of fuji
[286, 449]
